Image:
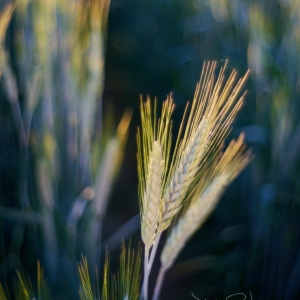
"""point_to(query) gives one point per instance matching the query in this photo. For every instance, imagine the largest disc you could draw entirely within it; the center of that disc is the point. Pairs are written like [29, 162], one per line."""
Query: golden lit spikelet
[86, 290]
[234, 159]
[152, 195]
[190, 222]
[185, 172]
[23, 289]
[205, 199]
[214, 107]
[125, 284]
[196, 151]
[154, 142]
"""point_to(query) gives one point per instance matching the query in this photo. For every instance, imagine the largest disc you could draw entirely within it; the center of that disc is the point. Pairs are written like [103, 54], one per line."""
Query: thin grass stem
[146, 274]
[159, 282]
[150, 261]
[153, 252]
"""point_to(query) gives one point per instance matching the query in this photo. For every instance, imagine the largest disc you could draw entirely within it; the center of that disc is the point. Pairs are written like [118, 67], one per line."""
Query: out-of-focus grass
[154, 48]
[52, 79]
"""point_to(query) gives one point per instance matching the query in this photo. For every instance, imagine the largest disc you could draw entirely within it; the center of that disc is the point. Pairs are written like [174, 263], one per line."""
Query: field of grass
[131, 124]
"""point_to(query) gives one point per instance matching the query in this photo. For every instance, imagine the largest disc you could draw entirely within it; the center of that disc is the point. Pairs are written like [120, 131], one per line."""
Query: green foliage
[3, 295]
[67, 166]
[125, 284]
[23, 289]
[86, 290]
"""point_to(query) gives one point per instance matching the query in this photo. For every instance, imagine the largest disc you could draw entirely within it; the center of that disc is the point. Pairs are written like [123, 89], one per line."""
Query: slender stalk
[47, 202]
[94, 256]
[150, 262]
[19, 122]
[153, 252]
[159, 282]
[146, 274]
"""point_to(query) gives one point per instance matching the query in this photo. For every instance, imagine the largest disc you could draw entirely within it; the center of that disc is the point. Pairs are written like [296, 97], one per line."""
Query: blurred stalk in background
[270, 32]
[52, 78]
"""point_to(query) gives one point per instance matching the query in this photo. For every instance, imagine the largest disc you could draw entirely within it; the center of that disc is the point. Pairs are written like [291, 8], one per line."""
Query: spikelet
[124, 285]
[86, 290]
[151, 199]
[213, 110]
[43, 290]
[191, 221]
[206, 198]
[126, 282]
[153, 152]
[185, 173]
[23, 288]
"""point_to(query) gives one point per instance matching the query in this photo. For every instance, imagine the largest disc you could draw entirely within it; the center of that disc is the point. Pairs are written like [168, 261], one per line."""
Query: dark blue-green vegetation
[70, 73]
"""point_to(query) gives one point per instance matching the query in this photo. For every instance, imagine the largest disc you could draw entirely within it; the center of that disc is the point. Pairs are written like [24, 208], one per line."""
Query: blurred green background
[251, 243]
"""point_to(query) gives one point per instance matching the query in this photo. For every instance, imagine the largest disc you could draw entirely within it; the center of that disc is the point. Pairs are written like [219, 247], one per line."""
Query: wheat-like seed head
[232, 162]
[185, 173]
[86, 290]
[190, 222]
[151, 199]
[164, 185]
[154, 142]
[214, 107]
